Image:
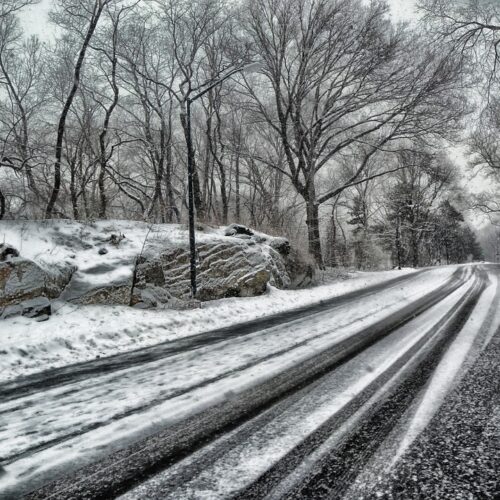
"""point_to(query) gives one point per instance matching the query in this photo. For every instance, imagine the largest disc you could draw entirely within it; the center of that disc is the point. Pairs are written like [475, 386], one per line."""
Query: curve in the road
[451, 284]
[121, 470]
[336, 470]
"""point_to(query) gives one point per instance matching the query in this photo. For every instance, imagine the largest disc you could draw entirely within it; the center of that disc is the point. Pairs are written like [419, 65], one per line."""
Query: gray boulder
[11, 311]
[117, 293]
[225, 269]
[22, 279]
[87, 287]
[281, 245]
[38, 307]
[238, 230]
[239, 263]
[300, 269]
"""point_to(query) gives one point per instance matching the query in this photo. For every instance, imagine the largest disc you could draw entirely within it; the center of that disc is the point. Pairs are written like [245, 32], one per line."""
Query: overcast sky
[35, 18]
[403, 9]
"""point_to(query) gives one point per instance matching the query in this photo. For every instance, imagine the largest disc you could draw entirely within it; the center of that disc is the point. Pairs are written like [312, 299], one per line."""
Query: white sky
[403, 10]
[35, 17]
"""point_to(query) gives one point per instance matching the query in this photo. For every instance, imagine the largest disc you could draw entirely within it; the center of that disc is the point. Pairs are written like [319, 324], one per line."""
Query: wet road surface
[309, 404]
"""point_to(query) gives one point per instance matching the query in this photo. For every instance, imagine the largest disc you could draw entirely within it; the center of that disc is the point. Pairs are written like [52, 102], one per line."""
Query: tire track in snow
[122, 469]
[452, 283]
[24, 386]
[235, 460]
[334, 474]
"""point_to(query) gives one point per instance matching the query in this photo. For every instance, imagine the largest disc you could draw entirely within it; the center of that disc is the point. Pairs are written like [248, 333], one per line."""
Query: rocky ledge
[100, 263]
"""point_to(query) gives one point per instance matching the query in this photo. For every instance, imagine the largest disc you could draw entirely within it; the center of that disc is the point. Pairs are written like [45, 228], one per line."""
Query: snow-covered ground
[452, 365]
[81, 333]
[77, 420]
[458, 358]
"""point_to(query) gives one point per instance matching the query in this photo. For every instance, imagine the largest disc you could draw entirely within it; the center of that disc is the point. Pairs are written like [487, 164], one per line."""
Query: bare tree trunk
[332, 240]
[61, 128]
[211, 138]
[24, 139]
[2, 205]
[415, 249]
[103, 159]
[208, 160]
[314, 240]
[237, 188]
[398, 241]
[159, 172]
[223, 193]
[172, 210]
[73, 191]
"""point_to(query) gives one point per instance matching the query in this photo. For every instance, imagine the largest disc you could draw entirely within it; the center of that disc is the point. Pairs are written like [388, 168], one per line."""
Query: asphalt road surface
[389, 392]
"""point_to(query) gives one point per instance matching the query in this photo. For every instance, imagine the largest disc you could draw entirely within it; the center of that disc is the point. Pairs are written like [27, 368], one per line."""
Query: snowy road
[258, 410]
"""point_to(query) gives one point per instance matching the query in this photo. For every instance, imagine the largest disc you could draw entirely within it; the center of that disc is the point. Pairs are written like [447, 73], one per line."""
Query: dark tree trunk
[398, 241]
[24, 139]
[73, 191]
[332, 240]
[61, 128]
[211, 138]
[2, 205]
[223, 193]
[103, 202]
[314, 240]
[237, 188]
[159, 173]
[414, 250]
[172, 210]
[103, 135]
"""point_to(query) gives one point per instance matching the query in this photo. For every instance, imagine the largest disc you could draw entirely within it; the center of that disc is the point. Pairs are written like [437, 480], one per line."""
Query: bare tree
[106, 46]
[82, 18]
[483, 142]
[131, 93]
[472, 27]
[9, 7]
[340, 79]
[188, 27]
[412, 197]
[150, 106]
[21, 69]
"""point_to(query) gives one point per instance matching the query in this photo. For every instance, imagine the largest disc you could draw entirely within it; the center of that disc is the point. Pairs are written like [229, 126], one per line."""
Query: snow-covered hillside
[134, 263]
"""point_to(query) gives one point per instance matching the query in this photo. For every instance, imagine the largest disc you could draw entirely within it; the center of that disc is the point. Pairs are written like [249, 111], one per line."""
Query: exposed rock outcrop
[238, 230]
[225, 269]
[92, 287]
[300, 269]
[241, 266]
[148, 267]
[37, 308]
[22, 279]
